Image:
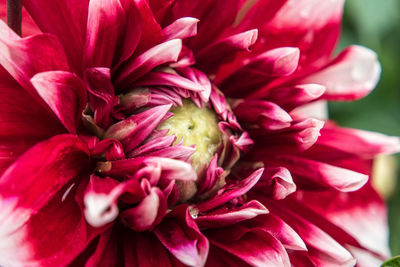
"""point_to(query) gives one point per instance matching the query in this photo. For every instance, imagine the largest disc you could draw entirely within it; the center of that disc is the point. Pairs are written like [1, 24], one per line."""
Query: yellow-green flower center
[198, 126]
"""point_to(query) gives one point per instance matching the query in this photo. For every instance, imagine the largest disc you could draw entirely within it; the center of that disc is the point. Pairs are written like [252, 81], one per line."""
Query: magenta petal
[261, 70]
[31, 196]
[168, 79]
[72, 34]
[106, 250]
[230, 192]
[276, 183]
[363, 143]
[24, 57]
[171, 168]
[265, 114]
[254, 246]
[179, 233]
[292, 97]
[323, 250]
[133, 130]
[224, 216]
[371, 232]
[215, 54]
[114, 21]
[43, 170]
[101, 94]
[314, 174]
[350, 76]
[155, 56]
[64, 93]
[181, 28]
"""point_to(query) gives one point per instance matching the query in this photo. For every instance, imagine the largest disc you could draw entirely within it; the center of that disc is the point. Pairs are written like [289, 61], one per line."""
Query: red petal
[51, 16]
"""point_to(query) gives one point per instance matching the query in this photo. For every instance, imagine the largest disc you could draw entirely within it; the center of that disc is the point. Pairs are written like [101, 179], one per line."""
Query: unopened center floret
[197, 126]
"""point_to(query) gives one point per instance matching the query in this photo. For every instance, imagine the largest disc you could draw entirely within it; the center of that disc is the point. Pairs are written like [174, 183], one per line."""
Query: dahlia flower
[182, 133]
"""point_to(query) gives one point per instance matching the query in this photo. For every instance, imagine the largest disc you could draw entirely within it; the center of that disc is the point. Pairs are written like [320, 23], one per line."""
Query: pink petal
[224, 216]
[313, 174]
[154, 145]
[114, 21]
[179, 234]
[155, 56]
[350, 76]
[64, 93]
[168, 79]
[276, 183]
[71, 35]
[230, 192]
[260, 71]
[181, 28]
[133, 130]
[171, 168]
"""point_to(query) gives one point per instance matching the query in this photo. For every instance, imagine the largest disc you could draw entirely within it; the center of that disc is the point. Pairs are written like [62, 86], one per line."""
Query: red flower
[170, 133]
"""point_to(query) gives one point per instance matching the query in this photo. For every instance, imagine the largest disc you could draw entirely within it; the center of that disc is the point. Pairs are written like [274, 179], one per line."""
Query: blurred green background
[376, 24]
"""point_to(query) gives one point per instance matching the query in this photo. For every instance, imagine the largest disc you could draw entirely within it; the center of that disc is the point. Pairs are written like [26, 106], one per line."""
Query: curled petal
[147, 213]
[168, 79]
[276, 183]
[313, 174]
[179, 234]
[350, 76]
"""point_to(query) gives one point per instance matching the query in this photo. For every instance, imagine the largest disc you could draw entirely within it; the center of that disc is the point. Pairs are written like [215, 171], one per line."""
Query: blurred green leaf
[393, 262]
